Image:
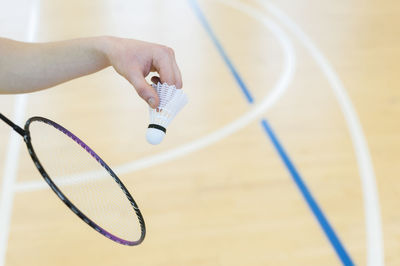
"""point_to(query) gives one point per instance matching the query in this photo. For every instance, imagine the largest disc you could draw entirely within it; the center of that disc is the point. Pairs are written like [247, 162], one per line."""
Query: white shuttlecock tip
[154, 135]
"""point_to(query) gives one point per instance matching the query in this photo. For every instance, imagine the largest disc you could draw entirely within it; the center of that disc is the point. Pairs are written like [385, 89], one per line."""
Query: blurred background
[287, 153]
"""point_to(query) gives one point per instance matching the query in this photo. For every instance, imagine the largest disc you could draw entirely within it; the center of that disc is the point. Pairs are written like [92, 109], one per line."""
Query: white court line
[10, 176]
[33, 21]
[12, 157]
[289, 65]
[375, 244]
[375, 251]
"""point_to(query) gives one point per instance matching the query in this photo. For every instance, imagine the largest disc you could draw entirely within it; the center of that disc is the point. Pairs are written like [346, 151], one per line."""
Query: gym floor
[287, 153]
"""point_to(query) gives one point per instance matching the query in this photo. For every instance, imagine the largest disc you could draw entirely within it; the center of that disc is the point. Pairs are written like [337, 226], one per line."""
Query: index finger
[178, 76]
[165, 70]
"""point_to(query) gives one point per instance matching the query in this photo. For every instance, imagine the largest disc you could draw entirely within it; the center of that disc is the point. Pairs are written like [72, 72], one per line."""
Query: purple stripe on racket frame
[61, 195]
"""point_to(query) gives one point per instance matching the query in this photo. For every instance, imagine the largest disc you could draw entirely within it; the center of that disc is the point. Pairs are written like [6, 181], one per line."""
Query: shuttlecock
[172, 100]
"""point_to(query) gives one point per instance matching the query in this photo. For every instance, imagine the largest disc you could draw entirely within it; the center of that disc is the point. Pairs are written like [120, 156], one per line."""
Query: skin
[29, 67]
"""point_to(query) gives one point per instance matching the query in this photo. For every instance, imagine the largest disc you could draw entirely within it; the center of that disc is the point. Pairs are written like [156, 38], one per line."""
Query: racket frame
[27, 138]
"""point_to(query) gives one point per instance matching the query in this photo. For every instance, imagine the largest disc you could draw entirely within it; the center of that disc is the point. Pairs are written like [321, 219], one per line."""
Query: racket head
[65, 199]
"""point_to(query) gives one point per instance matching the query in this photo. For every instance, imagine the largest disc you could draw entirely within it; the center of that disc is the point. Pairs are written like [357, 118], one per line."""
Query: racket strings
[95, 194]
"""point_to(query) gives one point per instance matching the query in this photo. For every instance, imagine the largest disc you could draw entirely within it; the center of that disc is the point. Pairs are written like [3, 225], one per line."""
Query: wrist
[103, 45]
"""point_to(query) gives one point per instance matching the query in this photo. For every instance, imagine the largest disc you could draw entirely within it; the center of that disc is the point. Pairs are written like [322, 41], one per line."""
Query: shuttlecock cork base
[172, 100]
[155, 134]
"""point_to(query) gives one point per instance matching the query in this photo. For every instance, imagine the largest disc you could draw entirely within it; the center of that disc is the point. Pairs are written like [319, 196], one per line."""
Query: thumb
[145, 91]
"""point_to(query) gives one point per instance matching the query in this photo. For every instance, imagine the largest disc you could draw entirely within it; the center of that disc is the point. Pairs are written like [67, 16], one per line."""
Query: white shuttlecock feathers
[172, 100]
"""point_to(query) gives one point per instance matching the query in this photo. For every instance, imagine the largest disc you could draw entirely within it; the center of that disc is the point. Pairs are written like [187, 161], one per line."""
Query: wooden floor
[227, 200]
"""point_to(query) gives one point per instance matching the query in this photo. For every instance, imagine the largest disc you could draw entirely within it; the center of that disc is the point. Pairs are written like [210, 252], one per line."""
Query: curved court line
[297, 179]
[12, 159]
[270, 99]
[375, 251]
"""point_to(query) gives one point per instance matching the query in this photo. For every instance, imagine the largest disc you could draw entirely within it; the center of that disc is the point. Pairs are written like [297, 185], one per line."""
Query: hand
[135, 59]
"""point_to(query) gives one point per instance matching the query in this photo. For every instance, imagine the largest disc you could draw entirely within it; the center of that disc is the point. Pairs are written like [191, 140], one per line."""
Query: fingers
[178, 76]
[165, 70]
[145, 91]
[166, 66]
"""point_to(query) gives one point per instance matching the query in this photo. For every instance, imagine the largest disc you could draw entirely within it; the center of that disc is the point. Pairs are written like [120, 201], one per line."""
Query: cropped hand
[135, 59]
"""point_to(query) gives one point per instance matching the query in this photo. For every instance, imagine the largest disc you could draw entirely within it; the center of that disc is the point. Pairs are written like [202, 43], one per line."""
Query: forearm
[27, 67]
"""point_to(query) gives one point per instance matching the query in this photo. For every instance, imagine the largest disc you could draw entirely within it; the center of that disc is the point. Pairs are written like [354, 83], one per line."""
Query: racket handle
[14, 126]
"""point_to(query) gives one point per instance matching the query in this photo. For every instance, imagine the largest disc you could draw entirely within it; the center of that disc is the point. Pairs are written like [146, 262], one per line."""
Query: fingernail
[151, 102]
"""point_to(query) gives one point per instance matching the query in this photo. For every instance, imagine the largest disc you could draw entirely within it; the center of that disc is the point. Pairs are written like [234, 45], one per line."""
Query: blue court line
[221, 51]
[324, 223]
[313, 205]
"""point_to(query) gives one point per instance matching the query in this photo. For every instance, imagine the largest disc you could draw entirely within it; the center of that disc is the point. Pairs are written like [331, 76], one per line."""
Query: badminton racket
[101, 200]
